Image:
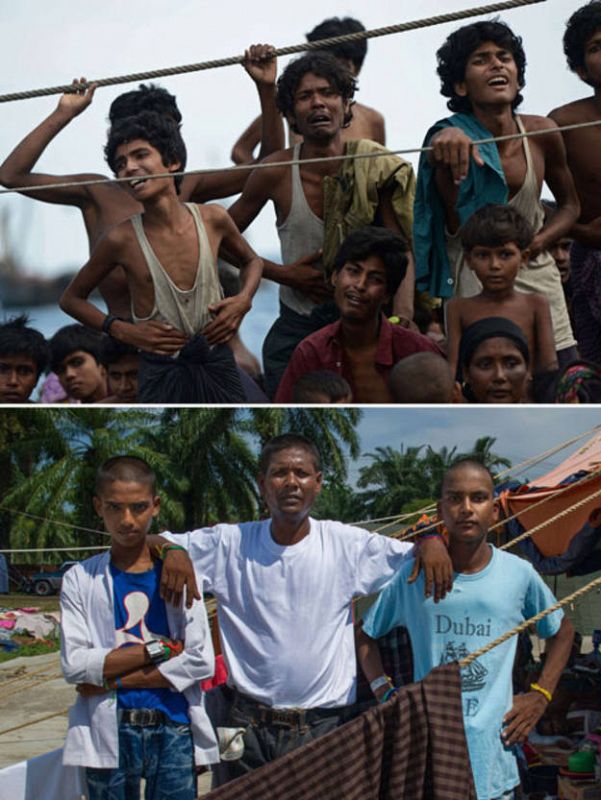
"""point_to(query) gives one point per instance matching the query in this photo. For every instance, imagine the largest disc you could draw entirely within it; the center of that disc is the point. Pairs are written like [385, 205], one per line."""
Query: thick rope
[439, 19]
[528, 462]
[523, 625]
[589, 477]
[502, 522]
[291, 162]
[546, 522]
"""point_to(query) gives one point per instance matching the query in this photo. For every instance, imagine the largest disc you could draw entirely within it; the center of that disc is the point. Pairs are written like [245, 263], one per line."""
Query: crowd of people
[461, 271]
[288, 633]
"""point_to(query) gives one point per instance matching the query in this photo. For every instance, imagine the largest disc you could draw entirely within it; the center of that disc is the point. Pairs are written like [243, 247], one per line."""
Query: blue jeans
[161, 754]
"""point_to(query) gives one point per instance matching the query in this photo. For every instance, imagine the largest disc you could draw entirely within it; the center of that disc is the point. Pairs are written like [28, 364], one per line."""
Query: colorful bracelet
[170, 649]
[388, 694]
[381, 680]
[118, 684]
[545, 692]
[165, 548]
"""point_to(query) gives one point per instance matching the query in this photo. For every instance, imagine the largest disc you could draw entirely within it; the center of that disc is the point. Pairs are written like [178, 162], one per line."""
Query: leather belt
[143, 717]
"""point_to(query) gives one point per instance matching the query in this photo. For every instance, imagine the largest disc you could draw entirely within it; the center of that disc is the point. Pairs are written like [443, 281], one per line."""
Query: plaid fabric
[397, 656]
[413, 747]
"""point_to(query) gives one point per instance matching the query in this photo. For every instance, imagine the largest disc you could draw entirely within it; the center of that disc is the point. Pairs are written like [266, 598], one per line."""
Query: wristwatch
[155, 651]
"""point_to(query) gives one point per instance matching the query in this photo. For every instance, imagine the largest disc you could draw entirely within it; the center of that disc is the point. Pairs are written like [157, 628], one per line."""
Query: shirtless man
[367, 123]
[106, 204]
[582, 46]
[482, 67]
[169, 256]
[314, 94]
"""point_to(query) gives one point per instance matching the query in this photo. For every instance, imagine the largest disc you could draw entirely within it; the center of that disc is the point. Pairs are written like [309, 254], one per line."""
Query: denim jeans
[265, 742]
[161, 754]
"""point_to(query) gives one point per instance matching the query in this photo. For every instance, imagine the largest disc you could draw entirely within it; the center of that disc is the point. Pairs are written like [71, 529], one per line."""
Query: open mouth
[498, 81]
[319, 119]
[354, 300]
[135, 182]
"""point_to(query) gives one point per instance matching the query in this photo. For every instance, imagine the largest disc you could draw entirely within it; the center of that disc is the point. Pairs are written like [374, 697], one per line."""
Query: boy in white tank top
[169, 255]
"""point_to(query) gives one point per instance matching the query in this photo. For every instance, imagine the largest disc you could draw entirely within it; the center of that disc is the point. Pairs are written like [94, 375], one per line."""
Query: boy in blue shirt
[137, 662]
[493, 592]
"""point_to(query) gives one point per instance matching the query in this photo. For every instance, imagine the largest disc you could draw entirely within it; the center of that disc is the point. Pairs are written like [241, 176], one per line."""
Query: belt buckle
[143, 717]
[285, 717]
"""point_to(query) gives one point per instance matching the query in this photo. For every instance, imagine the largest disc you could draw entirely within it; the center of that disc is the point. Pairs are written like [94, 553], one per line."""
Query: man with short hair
[482, 71]
[363, 345]
[317, 205]
[24, 354]
[284, 588]
[582, 45]
[492, 593]
[75, 358]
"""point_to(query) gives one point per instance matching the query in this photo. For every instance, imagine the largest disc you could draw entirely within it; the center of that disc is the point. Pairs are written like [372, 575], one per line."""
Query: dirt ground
[34, 700]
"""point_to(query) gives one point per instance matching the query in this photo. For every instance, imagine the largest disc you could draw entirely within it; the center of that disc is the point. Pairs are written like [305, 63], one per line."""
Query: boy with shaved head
[136, 662]
[492, 592]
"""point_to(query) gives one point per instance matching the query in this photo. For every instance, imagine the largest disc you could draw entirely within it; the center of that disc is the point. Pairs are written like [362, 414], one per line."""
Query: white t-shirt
[285, 612]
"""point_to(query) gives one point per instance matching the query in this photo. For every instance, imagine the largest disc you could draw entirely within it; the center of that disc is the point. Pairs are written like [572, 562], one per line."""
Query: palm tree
[72, 443]
[210, 469]
[394, 478]
[332, 430]
[338, 501]
[436, 463]
[482, 452]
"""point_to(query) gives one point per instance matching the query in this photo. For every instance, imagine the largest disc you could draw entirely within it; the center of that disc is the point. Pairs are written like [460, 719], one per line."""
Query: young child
[322, 386]
[169, 256]
[121, 362]
[492, 592]
[23, 355]
[495, 240]
[75, 358]
[137, 662]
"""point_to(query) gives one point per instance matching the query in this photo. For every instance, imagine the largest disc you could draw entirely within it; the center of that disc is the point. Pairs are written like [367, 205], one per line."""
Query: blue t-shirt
[140, 616]
[480, 607]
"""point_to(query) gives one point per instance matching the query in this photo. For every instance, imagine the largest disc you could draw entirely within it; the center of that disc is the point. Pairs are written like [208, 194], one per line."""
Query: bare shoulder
[577, 111]
[369, 113]
[215, 215]
[534, 122]
[119, 235]
[537, 302]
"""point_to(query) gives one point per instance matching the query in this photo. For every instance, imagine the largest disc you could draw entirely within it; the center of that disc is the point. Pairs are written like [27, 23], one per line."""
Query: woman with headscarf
[494, 359]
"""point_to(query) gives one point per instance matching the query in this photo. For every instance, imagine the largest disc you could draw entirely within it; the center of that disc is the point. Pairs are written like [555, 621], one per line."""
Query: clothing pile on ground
[20, 626]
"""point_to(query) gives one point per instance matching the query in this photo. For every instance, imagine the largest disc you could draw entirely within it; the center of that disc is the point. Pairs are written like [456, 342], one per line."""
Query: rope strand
[282, 51]
[291, 162]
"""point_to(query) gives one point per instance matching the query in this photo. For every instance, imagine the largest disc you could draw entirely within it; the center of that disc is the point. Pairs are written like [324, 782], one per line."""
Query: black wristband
[108, 321]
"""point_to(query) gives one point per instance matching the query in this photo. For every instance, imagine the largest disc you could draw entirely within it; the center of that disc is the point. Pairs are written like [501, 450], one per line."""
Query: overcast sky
[45, 44]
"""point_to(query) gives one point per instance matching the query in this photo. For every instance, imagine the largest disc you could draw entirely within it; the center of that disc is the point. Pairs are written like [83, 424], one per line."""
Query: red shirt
[324, 350]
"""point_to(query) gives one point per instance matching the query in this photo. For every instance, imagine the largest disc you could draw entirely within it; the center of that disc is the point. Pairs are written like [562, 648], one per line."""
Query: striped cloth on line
[411, 747]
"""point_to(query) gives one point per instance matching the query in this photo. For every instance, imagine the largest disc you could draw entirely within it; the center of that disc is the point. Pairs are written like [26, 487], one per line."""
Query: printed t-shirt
[480, 607]
[140, 616]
